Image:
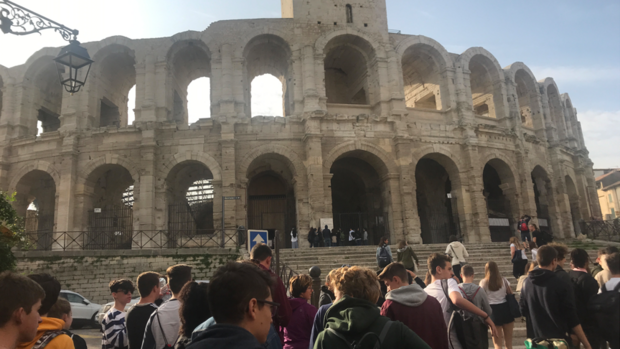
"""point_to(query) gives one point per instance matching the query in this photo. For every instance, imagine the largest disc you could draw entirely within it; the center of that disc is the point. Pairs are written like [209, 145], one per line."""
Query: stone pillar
[217, 204]
[480, 218]
[410, 217]
[562, 222]
[144, 207]
[310, 93]
[148, 106]
[227, 145]
[552, 132]
[526, 187]
[595, 205]
[65, 190]
[319, 193]
[392, 198]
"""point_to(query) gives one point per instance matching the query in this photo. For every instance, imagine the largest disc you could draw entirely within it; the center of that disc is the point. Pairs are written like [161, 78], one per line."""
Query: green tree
[12, 233]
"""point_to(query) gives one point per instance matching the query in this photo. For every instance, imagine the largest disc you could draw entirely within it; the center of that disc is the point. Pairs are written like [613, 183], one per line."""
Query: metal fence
[138, 240]
[601, 230]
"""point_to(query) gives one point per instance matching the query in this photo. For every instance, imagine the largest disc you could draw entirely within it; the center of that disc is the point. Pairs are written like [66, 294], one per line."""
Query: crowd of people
[245, 305]
[332, 237]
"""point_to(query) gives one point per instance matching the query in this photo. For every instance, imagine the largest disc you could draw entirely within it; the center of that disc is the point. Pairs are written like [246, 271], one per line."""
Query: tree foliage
[12, 234]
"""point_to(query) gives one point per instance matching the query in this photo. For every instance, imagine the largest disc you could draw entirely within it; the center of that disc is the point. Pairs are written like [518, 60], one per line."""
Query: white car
[84, 311]
[104, 309]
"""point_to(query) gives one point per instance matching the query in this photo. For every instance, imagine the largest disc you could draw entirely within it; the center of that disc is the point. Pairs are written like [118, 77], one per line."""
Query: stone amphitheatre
[380, 130]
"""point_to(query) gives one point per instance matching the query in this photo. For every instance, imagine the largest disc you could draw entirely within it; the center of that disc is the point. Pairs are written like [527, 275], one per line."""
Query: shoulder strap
[330, 330]
[161, 329]
[384, 332]
[46, 338]
[455, 256]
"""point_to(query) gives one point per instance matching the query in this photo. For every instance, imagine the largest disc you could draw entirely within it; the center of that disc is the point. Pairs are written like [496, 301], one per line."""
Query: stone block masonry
[89, 272]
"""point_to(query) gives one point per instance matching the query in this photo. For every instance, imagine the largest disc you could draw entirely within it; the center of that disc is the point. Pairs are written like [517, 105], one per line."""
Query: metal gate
[40, 229]
[185, 220]
[377, 225]
[500, 220]
[110, 229]
[273, 213]
[438, 222]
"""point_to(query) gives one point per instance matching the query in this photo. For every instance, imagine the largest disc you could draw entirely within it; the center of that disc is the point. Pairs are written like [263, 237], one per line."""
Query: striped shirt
[114, 330]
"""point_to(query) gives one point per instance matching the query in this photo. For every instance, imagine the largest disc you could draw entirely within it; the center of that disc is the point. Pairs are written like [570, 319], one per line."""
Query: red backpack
[523, 226]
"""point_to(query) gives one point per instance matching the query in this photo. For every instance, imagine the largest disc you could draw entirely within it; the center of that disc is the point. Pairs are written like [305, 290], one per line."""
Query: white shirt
[534, 254]
[610, 285]
[351, 238]
[435, 290]
[495, 297]
[293, 238]
[523, 255]
[459, 254]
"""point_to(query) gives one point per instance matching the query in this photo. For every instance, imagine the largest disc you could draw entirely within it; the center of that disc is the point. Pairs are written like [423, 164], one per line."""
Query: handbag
[551, 343]
[515, 309]
[518, 256]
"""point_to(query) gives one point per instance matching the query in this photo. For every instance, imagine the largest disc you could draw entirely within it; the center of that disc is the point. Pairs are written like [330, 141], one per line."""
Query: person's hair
[561, 250]
[194, 308]
[533, 266]
[611, 249]
[579, 258]
[260, 252]
[427, 278]
[334, 275]
[601, 251]
[533, 245]
[51, 286]
[514, 240]
[232, 287]
[382, 241]
[546, 255]
[534, 225]
[613, 263]
[394, 269]
[359, 282]
[452, 238]
[60, 308]
[467, 270]
[528, 265]
[492, 276]
[146, 281]
[401, 244]
[178, 276]
[299, 284]
[17, 291]
[437, 260]
[121, 284]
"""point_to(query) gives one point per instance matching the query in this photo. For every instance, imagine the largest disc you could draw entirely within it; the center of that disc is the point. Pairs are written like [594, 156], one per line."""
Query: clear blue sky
[575, 42]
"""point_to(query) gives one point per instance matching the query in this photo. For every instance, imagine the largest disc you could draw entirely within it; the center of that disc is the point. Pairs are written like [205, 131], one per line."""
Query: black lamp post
[72, 61]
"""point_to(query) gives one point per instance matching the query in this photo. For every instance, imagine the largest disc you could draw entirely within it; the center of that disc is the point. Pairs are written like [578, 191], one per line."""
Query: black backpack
[606, 309]
[384, 258]
[358, 344]
[467, 329]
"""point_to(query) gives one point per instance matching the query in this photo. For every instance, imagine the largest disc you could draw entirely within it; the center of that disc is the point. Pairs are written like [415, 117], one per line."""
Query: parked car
[104, 309]
[84, 311]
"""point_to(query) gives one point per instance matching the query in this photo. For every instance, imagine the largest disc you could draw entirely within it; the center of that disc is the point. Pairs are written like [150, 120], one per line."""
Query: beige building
[608, 188]
[381, 130]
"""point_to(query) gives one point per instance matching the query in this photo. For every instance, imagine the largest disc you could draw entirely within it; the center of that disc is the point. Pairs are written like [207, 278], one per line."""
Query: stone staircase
[328, 258]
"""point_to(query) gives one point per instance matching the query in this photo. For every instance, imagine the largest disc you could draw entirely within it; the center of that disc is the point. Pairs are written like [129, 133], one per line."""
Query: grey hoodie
[412, 295]
[481, 300]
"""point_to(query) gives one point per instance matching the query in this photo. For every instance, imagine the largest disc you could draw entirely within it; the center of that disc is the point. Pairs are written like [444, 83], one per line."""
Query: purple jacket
[297, 333]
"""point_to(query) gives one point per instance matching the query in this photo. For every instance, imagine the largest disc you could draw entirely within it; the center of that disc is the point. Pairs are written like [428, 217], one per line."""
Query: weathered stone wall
[89, 272]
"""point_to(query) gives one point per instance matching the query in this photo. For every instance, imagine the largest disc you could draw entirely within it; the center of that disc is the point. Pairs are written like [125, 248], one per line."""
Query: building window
[610, 199]
[349, 14]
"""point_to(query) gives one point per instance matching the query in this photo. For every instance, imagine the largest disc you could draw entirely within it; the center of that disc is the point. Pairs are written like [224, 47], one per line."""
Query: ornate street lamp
[72, 61]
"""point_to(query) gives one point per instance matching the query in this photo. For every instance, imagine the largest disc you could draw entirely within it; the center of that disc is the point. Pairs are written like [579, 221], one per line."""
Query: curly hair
[359, 282]
[299, 284]
[334, 275]
[560, 249]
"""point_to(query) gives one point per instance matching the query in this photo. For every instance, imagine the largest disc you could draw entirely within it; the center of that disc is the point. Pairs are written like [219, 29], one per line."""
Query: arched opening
[349, 13]
[268, 54]
[116, 75]
[483, 77]
[360, 198]
[46, 98]
[131, 106]
[574, 199]
[555, 109]
[190, 61]
[422, 78]
[527, 97]
[348, 73]
[500, 195]
[267, 92]
[189, 194]
[436, 202]
[271, 197]
[543, 196]
[35, 200]
[108, 202]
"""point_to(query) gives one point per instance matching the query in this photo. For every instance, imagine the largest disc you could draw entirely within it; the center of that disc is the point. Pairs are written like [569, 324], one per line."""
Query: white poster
[327, 221]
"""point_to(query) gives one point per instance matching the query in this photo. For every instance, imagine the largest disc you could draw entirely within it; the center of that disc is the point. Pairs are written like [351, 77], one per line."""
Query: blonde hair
[492, 276]
[514, 240]
[359, 282]
[333, 276]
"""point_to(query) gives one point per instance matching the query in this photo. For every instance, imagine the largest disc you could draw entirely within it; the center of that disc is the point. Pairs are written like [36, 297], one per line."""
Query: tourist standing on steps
[327, 237]
[407, 257]
[458, 252]
[311, 235]
[384, 253]
[294, 243]
[524, 228]
[497, 288]
[351, 237]
[517, 257]
[537, 236]
[365, 237]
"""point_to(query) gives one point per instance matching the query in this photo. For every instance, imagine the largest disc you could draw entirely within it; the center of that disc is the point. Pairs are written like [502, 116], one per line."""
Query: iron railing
[601, 230]
[138, 240]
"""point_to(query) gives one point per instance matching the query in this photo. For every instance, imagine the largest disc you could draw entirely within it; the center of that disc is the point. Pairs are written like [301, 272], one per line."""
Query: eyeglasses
[274, 306]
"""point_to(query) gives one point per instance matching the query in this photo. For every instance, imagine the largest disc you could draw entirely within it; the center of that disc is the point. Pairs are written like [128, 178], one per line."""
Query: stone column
[392, 198]
[526, 186]
[319, 193]
[310, 93]
[145, 209]
[595, 205]
[480, 218]
[148, 106]
[66, 188]
[410, 217]
[562, 222]
[227, 145]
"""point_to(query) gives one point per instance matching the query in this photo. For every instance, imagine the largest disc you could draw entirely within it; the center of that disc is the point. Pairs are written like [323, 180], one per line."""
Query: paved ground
[92, 336]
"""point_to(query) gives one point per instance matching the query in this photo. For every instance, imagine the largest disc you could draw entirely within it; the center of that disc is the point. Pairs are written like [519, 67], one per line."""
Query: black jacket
[585, 287]
[327, 234]
[563, 275]
[548, 305]
[225, 337]
[78, 342]
[326, 296]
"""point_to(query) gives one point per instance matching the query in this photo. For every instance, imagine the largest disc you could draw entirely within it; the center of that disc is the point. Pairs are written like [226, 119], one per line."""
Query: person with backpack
[355, 322]
[478, 297]
[497, 289]
[457, 310]
[584, 288]
[311, 235]
[327, 237]
[548, 304]
[319, 319]
[518, 257]
[524, 228]
[384, 253]
[539, 237]
[20, 301]
[606, 304]
[62, 311]
[407, 257]
[605, 275]
[409, 304]
[458, 252]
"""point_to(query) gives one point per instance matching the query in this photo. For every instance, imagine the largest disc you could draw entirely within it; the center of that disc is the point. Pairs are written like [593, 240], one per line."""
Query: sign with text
[256, 237]
[327, 221]
[232, 197]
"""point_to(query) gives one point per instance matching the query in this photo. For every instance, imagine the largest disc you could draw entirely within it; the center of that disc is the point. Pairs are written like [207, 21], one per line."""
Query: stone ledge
[125, 253]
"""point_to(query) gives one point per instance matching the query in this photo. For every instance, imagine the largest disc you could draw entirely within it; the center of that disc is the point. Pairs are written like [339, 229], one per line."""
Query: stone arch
[444, 156]
[424, 63]
[528, 95]
[382, 161]
[297, 166]
[501, 193]
[203, 158]
[35, 58]
[39, 165]
[322, 42]
[551, 93]
[109, 159]
[486, 79]
[42, 97]
[36, 200]
[243, 44]
[112, 40]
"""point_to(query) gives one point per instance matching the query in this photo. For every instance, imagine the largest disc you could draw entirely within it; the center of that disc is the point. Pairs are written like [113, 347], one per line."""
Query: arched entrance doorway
[271, 197]
[436, 203]
[573, 198]
[500, 195]
[359, 196]
[36, 201]
[543, 197]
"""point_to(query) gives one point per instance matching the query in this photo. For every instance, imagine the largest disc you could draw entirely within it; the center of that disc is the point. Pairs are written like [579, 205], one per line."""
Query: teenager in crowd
[384, 253]
[584, 287]
[561, 254]
[113, 326]
[478, 297]
[497, 288]
[458, 252]
[297, 333]
[605, 274]
[62, 310]
[194, 311]
[327, 294]
[517, 257]
[138, 315]
[319, 319]
[407, 256]
[20, 301]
